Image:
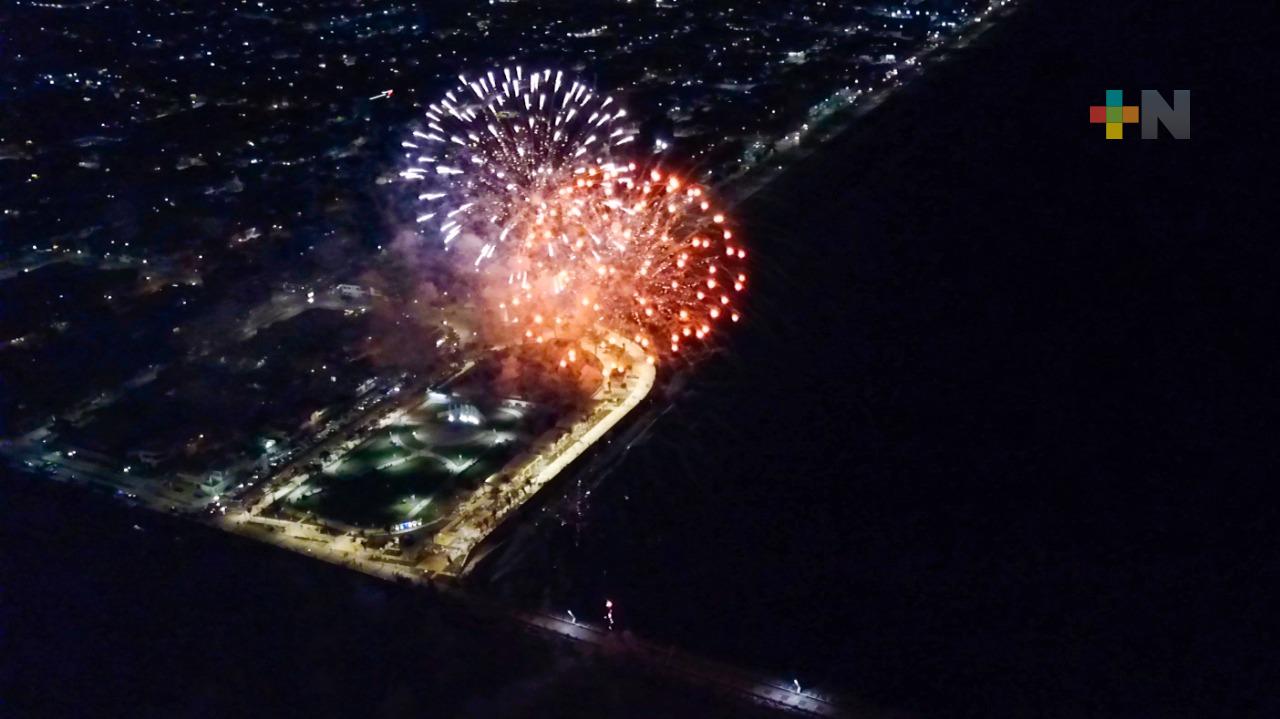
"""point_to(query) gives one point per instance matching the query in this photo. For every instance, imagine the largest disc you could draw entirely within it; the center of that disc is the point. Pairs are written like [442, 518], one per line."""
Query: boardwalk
[720, 677]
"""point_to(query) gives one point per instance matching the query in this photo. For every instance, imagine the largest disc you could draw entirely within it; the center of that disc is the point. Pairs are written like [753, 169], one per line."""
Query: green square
[1115, 98]
[1115, 114]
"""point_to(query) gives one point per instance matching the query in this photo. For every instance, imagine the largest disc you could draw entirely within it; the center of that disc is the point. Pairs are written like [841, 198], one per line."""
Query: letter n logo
[1156, 112]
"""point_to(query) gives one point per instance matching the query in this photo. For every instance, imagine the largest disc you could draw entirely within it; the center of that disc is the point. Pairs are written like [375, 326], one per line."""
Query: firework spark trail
[497, 142]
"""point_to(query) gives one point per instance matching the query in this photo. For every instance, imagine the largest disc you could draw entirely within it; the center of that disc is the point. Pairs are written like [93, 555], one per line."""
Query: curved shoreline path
[629, 377]
[485, 510]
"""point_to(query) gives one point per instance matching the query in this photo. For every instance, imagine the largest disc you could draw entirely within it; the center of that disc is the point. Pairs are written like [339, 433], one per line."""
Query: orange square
[1130, 114]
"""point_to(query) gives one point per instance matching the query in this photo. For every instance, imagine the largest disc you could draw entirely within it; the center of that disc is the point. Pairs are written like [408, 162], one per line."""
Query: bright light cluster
[525, 182]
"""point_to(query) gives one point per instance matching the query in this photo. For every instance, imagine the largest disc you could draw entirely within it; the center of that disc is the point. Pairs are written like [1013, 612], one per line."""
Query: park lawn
[379, 483]
[360, 493]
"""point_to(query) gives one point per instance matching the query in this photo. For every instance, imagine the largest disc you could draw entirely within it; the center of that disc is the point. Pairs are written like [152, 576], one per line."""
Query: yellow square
[1115, 131]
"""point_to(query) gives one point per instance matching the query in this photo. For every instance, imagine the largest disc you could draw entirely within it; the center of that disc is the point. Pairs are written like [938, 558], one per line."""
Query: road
[736, 189]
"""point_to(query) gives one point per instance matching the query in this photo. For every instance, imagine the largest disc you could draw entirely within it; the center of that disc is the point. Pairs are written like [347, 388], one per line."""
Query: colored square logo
[1115, 114]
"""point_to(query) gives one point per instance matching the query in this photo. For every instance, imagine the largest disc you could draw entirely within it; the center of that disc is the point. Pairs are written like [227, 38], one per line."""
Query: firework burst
[528, 182]
[640, 254]
[496, 145]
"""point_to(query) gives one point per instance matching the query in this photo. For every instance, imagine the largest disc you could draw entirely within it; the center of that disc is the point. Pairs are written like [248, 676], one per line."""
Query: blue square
[1115, 98]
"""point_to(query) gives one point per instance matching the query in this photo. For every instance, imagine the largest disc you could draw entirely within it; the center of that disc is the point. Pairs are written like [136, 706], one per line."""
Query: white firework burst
[494, 148]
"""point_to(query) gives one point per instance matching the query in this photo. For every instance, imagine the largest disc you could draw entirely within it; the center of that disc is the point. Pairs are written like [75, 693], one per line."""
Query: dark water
[111, 612]
[995, 436]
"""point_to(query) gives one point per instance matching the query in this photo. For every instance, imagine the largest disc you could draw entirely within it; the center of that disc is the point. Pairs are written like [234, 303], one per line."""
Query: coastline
[314, 545]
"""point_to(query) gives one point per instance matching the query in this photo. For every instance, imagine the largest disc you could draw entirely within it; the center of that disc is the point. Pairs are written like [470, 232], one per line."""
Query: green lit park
[410, 471]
